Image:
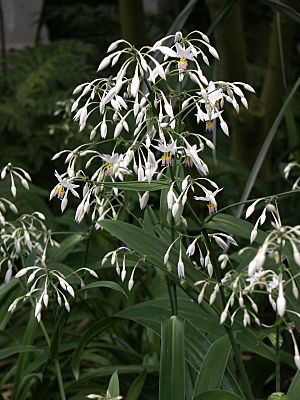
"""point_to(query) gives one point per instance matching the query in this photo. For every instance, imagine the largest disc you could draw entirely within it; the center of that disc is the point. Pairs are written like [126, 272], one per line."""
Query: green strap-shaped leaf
[229, 4]
[213, 367]
[66, 247]
[27, 381]
[16, 350]
[282, 8]
[28, 339]
[234, 226]
[137, 186]
[294, 388]
[172, 360]
[218, 395]
[136, 388]
[265, 147]
[103, 284]
[94, 330]
[137, 239]
[181, 19]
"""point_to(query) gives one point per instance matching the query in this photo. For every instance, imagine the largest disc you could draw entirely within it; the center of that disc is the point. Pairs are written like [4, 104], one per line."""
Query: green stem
[240, 369]
[60, 381]
[173, 304]
[271, 197]
[277, 359]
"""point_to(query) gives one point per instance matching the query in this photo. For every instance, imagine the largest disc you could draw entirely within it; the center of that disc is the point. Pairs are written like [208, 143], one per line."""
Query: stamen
[188, 162]
[182, 64]
[209, 126]
[166, 160]
[109, 169]
[212, 208]
[59, 192]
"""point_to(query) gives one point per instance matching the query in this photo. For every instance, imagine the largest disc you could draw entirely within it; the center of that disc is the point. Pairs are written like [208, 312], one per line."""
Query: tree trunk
[250, 128]
[133, 22]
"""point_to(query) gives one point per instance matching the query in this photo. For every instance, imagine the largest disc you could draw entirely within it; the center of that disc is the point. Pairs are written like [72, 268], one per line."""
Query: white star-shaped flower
[60, 192]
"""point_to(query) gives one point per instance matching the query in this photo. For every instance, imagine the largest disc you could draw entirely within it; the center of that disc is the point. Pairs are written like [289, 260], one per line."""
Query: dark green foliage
[37, 78]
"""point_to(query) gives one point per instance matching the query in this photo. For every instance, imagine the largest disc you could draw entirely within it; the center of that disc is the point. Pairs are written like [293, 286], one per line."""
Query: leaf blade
[213, 366]
[172, 365]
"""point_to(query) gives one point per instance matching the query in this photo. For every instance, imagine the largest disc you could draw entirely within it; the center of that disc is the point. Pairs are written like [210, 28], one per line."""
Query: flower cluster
[140, 118]
[24, 246]
[43, 283]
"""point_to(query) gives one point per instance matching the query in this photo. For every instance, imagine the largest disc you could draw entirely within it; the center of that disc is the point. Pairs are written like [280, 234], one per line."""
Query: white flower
[192, 153]
[112, 162]
[183, 53]
[209, 195]
[60, 192]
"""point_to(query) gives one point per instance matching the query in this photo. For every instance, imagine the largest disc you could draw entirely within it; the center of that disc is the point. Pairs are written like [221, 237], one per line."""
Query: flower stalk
[240, 368]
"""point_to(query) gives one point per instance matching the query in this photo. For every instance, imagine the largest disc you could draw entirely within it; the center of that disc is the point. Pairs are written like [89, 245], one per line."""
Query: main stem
[56, 365]
[277, 359]
[235, 347]
[60, 381]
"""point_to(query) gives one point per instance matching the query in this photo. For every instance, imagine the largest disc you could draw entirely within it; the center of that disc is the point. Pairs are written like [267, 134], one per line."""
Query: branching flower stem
[239, 364]
[278, 196]
[48, 341]
[277, 357]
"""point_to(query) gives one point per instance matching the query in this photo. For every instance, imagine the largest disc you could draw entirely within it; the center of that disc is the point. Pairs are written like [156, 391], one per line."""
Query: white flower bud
[248, 87]
[224, 127]
[70, 290]
[114, 45]
[130, 284]
[241, 302]
[123, 275]
[223, 316]
[38, 309]
[281, 304]
[297, 361]
[191, 248]
[104, 63]
[295, 290]
[251, 208]
[13, 190]
[214, 295]
[213, 52]
[13, 208]
[46, 299]
[166, 257]
[201, 294]
[246, 319]
[25, 184]
[253, 235]
[143, 200]
[210, 269]
[3, 173]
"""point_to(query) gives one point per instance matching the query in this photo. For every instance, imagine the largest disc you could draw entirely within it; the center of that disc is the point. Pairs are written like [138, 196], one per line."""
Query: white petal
[167, 51]
[64, 203]
[135, 83]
